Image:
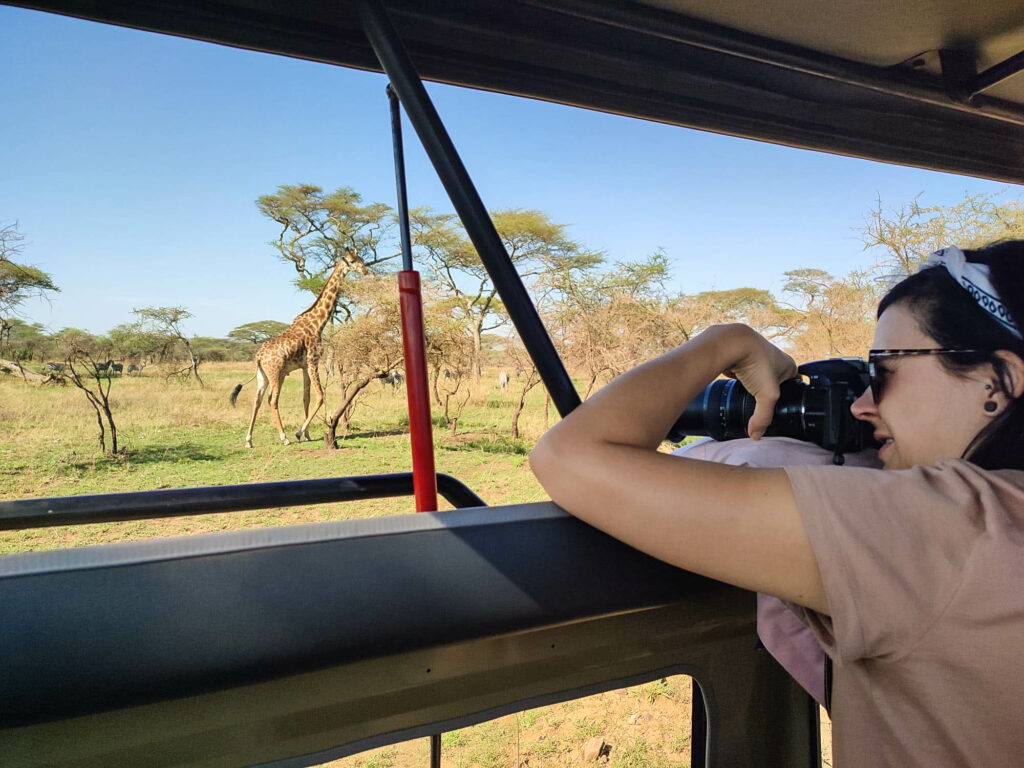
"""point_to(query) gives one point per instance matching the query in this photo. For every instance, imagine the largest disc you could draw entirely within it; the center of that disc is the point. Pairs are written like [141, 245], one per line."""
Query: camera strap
[828, 685]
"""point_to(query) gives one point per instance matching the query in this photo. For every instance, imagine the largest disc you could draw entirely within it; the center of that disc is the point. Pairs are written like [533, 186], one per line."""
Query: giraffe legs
[311, 375]
[275, 394]
[261, 387]
[303, 433]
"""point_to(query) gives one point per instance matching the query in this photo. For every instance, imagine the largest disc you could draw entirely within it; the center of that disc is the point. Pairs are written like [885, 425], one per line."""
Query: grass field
[175, 435]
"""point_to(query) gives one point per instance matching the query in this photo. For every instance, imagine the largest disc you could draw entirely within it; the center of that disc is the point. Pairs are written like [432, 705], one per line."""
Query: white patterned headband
[975, 280]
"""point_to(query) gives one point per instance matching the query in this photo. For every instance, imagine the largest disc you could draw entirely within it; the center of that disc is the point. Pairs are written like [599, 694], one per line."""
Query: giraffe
[298, 348]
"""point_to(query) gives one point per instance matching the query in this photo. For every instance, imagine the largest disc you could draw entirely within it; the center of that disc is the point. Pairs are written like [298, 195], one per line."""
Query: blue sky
[131, 162]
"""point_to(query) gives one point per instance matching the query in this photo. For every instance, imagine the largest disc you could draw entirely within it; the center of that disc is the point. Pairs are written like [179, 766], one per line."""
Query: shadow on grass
[490, 444]
[159, 454]
[354, 433]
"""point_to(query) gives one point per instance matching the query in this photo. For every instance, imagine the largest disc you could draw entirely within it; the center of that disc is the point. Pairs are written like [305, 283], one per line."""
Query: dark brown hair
[951, 316]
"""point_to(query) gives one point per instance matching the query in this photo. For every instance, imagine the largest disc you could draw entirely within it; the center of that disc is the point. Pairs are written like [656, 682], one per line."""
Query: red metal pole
[424, 479]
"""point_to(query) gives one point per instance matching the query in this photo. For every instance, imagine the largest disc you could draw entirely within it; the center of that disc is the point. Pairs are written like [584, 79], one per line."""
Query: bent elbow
[542, 459]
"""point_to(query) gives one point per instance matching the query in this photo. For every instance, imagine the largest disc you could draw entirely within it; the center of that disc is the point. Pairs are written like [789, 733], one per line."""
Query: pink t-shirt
[923, 569]
[784, 634]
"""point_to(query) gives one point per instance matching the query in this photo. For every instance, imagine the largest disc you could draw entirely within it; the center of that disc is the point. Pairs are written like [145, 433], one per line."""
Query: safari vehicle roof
[294, 645]
[931, 84]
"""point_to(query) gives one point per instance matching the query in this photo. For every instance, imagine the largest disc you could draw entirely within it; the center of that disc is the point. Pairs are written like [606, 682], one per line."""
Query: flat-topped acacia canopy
[926, 84]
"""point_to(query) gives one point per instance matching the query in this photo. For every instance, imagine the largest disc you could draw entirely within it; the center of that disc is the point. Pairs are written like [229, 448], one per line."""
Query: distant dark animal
[104, 367]
[503, 379]
[394, 379]
[57, 367]
[117, 367]
[448, 374]
[136, 368]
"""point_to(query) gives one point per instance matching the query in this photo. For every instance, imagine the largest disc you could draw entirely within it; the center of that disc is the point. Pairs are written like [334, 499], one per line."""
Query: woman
[911, 577]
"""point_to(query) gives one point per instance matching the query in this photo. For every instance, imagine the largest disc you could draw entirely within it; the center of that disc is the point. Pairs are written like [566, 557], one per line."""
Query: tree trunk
[113, 429]
[531, 381]
[194, 363]
[99, 423]
[458, 412]
[437, 394]
[477, 333]
[342, 413]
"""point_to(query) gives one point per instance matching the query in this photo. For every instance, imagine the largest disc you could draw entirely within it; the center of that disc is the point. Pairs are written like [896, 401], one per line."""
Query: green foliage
[18, 282]
[24, 341]
[320, 229]
[640, 754]
[67, 340]
[535, 244]
[257, 332]
[529, 717]
[453, 739]
[220, 350]
[659, 689]
[386, 758]
[680, 742]
[545, 747]
[584, 729]
[134, 341]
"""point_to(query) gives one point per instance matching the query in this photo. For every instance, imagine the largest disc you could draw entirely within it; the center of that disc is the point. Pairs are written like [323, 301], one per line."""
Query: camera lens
[816, 412]
[724, 408]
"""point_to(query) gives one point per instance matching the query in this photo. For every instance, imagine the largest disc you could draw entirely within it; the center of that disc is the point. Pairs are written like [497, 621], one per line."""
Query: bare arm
[736, 524]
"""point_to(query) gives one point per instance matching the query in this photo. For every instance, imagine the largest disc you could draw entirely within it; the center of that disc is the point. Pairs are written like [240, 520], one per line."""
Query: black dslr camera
[816, 412]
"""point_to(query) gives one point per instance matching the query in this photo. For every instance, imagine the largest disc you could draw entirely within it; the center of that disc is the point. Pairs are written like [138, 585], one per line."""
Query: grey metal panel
[303, 644]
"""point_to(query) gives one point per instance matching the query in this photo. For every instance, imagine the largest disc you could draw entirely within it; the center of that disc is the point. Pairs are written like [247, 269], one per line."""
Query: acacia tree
[528, 376]
[533, 242]
[320, 229]
[26, 341]
[18, 282]
[167, 321]
[366, 348]
[607, 322]
[450, 360]
[80, 369]
[688, 315]
[904, 237]
[258, 332]
[136, 341]
[836, 315]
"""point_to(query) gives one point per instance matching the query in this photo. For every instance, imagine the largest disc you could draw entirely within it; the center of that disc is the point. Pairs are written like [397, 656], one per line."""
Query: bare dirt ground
[645, 726]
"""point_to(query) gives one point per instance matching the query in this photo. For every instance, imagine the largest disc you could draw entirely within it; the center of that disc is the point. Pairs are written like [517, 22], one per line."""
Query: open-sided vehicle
[295, 645]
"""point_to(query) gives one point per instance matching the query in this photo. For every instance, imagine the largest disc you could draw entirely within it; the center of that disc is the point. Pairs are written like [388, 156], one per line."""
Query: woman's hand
[736, 524]
[760, 367]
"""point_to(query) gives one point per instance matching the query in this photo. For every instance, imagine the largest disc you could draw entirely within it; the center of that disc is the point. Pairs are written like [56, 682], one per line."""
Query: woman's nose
[864, 406]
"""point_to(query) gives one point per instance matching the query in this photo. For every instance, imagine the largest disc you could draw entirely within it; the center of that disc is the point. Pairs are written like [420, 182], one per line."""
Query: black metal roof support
[439, 147]
[996, 74]
[403, 198]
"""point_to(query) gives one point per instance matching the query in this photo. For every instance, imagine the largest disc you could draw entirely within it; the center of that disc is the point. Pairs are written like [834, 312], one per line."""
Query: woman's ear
[1015, 369]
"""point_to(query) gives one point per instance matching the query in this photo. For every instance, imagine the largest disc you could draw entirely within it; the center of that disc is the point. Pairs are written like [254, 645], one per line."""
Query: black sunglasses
[877, 374]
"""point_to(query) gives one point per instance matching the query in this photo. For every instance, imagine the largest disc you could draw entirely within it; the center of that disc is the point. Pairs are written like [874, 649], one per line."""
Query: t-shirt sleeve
[891, 547]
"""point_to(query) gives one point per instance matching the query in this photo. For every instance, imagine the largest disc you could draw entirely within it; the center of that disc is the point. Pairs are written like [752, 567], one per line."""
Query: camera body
[816, 411]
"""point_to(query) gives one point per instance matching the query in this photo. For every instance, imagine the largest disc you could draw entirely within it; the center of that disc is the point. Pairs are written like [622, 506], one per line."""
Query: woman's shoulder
[954, 489]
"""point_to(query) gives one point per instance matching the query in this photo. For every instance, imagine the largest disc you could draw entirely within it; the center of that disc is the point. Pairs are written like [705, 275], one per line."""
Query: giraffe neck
[323, 307]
